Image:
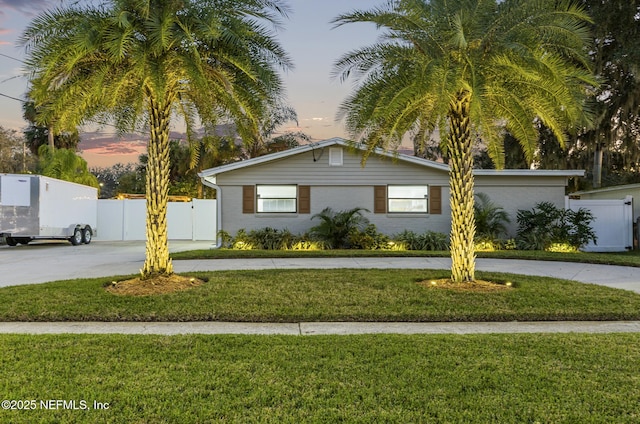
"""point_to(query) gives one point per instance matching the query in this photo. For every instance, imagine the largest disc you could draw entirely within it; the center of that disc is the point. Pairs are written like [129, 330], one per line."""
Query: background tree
[613, 141]
[140, 62]
[471, 69]
[134, 180]
[40, 135]
[262, 142]
[210, 151]
[286, 141]
[65, 164]
[14, 157]
[119, 178]
[616, 60]
[186, 161]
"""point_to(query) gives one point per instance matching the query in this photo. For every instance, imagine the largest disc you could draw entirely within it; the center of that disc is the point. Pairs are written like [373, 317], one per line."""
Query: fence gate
[613, 223]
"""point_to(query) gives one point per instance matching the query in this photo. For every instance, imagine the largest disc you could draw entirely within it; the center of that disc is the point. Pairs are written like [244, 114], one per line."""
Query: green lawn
[520, 378]
[327, 295]
[631, 258]
[511, 378]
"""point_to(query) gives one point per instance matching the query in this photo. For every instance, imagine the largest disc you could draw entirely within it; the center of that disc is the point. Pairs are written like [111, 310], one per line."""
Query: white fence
[125, 220]
[613, 223]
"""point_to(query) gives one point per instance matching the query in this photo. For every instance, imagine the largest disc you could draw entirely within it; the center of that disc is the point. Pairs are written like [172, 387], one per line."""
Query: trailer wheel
[11, 241]
[76, 239]
[86, 235]
[23, 240]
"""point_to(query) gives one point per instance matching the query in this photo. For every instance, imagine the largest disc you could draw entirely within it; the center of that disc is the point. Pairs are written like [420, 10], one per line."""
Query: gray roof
[212, 172]
[624, 188]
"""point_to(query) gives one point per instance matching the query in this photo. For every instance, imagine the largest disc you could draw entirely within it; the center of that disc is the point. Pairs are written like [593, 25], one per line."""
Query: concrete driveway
[50, 261]
[45, 261]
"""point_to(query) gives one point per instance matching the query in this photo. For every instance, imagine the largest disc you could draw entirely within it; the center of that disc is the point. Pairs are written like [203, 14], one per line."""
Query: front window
[277, 198]
[408, 198]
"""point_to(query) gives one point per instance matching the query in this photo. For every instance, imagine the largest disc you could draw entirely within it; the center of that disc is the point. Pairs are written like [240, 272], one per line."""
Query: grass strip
[326, 295]
[554, 378]
[631, 258]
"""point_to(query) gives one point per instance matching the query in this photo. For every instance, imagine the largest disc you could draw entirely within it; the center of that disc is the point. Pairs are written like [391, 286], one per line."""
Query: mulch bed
[161, 284]
[474, 286]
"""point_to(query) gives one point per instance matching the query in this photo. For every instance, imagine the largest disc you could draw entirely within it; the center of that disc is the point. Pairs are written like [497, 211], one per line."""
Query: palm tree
[65, 164]
[471, 69]
[41, 134]
[136, 62]
[275, 116]
[491, 220]
[335, 227]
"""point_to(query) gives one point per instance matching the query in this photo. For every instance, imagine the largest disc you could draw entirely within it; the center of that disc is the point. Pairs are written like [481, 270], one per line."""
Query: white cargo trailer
[35, 207]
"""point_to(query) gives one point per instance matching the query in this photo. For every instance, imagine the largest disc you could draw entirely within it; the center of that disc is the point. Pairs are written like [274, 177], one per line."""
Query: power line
[12, 98]
[90, 121]
[9, 79]
[107, 124]
[13, 58]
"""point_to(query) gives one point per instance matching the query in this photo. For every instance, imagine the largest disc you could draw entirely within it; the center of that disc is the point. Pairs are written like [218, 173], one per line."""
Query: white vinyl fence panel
[613, 223]
[204, 219]
[110, 220]
[134, 219]
[125, 220]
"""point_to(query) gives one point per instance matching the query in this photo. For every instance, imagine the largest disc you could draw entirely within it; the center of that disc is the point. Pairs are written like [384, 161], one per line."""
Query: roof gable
[337, 141]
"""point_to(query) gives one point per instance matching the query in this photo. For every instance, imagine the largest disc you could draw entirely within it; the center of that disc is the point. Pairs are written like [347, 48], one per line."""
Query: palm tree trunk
[463, 226]
[157, 260]
[51, 139]
[597, 166]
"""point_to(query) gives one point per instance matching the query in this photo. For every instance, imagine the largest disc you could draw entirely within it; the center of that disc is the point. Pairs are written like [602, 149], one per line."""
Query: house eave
[529, 172]
[623, 187]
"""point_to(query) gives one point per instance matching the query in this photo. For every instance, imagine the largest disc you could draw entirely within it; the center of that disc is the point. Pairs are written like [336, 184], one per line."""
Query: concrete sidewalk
[318, 328]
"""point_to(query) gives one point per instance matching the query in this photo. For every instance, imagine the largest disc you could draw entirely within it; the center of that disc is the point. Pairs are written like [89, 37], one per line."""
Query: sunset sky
[308, 37]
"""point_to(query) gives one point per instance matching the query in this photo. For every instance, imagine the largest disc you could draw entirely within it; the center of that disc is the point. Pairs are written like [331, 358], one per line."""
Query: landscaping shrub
[548, 227]
[226, 239]
[337, 230]
[303, 243]
[491, 224]
[429, 240]
[491, 219]
[336, 227]
[242, 241]
[369, 239]
[490, 244]
[271, 238]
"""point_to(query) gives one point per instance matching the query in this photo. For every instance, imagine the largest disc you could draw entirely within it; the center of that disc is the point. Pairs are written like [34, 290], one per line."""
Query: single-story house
[284, 190]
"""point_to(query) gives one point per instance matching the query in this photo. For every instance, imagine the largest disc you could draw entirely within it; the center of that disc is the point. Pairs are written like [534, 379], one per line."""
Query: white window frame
[408, 199]
[336, 156]
[269, 200]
